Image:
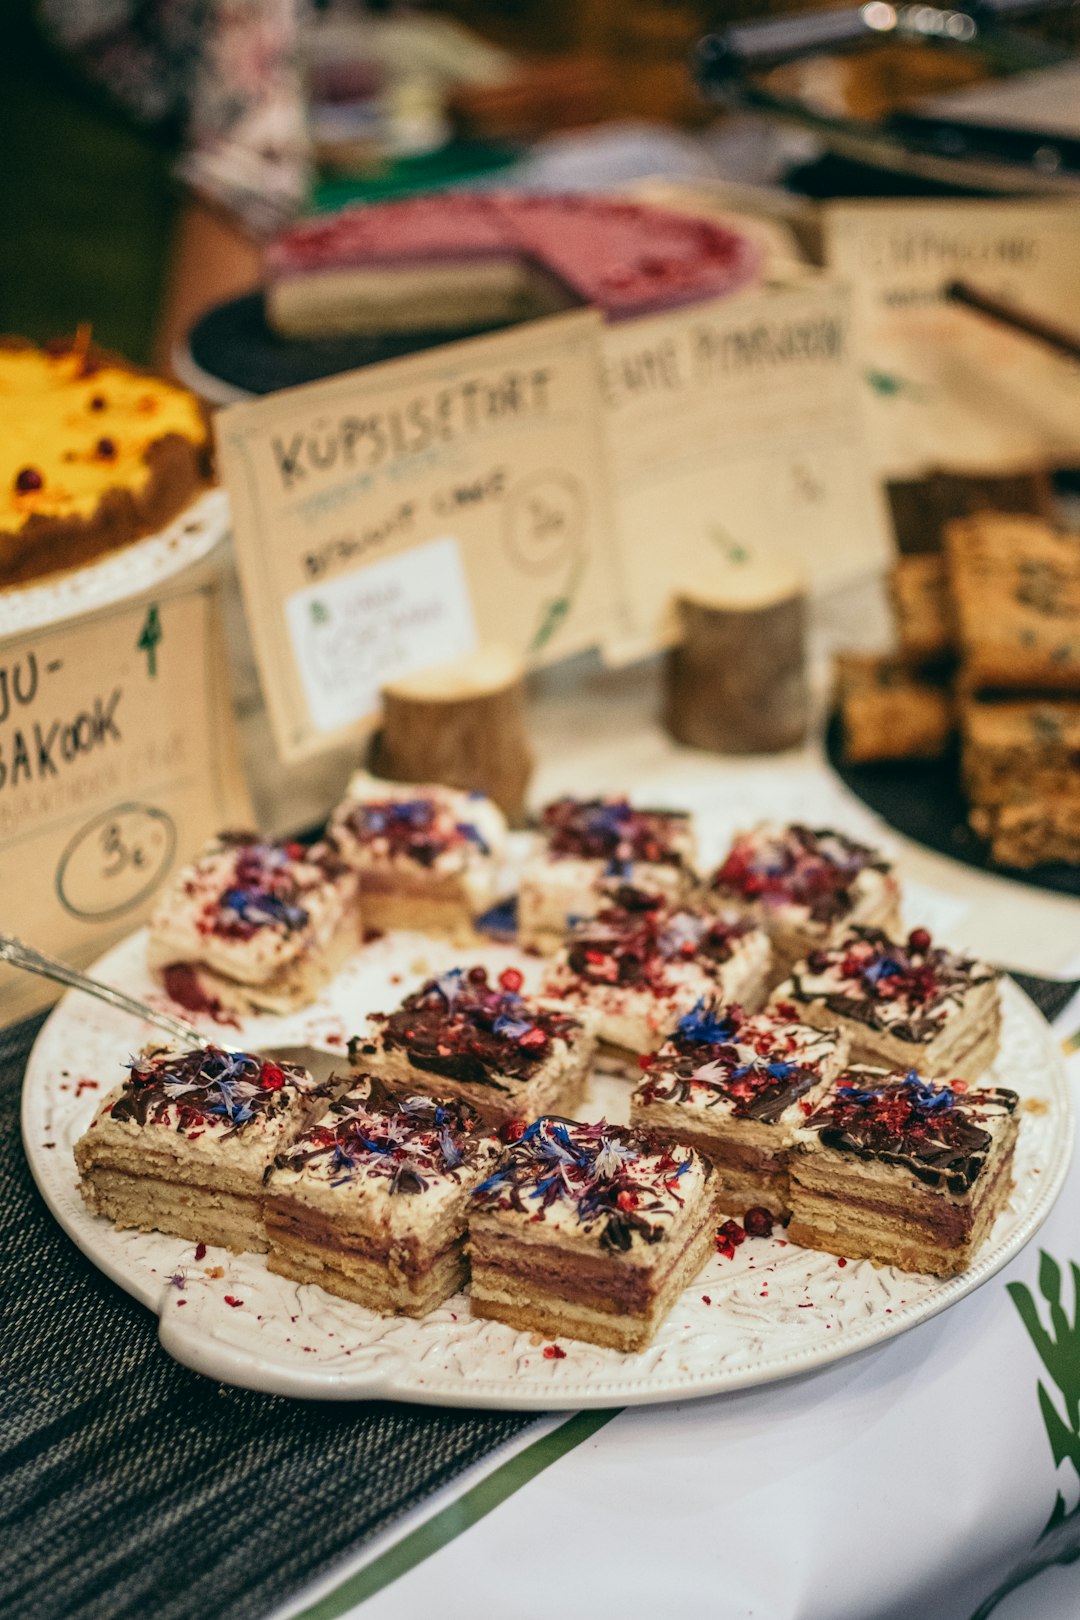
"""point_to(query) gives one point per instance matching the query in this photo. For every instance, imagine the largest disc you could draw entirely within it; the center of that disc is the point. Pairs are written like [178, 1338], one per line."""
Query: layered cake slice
[737, 1088]
[184, 1143]
[637, 967]
[591, 1231]
[902, 1171]
[589, 847]
[459, 1036]
[427, 857]
[914, 1005]
[806, 886]
[371, 1202]
[252, 926]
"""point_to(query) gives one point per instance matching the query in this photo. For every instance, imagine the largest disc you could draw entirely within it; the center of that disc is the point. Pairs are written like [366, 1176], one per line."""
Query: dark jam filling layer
[914, 1123]
[613, 1177]
[612, 830]
[809, 867]
[462, 1027]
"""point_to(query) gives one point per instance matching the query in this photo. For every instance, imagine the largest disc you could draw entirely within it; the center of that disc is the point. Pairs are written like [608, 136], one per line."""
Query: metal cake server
[319, 1063]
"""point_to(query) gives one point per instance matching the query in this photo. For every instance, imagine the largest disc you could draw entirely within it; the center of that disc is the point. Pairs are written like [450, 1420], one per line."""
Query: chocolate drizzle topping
[933, 1131]
[797, 866]
[203, 1088]
[408, 1143]
[612, 830]
[632, 942]
[462, 1027]
[904, 990]
[758, 1066]
[616, 1179]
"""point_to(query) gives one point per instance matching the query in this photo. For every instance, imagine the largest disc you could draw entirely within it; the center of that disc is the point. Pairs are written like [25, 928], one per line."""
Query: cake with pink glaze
[458, 259]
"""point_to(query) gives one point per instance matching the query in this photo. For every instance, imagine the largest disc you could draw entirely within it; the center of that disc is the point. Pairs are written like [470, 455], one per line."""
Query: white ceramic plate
[772, 1311]
[120, 574]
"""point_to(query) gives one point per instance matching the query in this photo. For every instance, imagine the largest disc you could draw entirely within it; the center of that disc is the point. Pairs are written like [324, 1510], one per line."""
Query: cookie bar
[914, 1005]
[634, 969]
[592, 1231]
[252, 926]
[461, 1037]
[1016, 587]
[902, 1171]
[922, 610]
[736, 1088]
[1021, 750]
[427, 857]
[887, 714]
[587, 847]
[806, 886]
[1036, 832]
[184, 1143]
[371, 1202]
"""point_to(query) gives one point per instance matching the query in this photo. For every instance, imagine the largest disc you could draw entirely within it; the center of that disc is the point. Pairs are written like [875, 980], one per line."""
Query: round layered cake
[458, 259]
[94, 454]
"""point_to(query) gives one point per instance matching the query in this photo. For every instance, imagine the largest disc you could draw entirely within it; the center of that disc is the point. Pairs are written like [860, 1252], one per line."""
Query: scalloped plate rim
[253, 1369]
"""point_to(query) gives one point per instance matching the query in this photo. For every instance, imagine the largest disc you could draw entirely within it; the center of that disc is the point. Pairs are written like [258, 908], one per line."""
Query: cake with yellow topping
[93, 454]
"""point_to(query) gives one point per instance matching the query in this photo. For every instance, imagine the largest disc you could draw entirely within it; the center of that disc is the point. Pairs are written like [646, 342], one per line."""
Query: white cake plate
[121, 574]
[772, 1311]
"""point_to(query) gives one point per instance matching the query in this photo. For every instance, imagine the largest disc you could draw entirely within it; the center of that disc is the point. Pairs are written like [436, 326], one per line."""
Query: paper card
[363, 629]
[117, 761]
[394, 517]
[736, 435]
[940, 384]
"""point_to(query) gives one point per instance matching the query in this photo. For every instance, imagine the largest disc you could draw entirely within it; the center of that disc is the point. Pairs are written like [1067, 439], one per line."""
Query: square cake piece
[898, 1170]
[371, 1202]
[183, 1144]
[427, 857]
[252, 926]
[461, 1037]
[805, 886]
[736, 1088]
[589, 846]
[591, 1231]
[910, 1006]
[633, 970]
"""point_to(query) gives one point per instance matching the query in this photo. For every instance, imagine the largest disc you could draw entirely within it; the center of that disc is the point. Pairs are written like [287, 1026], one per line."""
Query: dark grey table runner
[132, 1488]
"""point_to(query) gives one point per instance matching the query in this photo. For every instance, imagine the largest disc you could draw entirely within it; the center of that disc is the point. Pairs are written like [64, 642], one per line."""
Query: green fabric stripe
[458, 1516]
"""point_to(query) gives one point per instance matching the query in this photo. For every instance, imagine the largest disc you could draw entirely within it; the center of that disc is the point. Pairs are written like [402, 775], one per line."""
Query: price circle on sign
[544, 521]
[115, 861]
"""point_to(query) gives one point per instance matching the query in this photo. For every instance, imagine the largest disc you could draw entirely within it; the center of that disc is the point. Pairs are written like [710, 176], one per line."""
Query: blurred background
[149, 148]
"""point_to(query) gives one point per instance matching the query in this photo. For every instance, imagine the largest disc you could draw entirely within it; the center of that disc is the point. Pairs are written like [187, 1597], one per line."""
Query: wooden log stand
[736, 681]
[462, 724]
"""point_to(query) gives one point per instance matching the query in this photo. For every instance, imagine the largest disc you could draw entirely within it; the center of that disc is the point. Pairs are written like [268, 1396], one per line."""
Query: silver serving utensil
[319, 1063]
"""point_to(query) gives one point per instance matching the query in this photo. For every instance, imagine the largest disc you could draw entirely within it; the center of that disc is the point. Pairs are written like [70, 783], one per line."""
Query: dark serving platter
[233, 344]
[924, 801]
